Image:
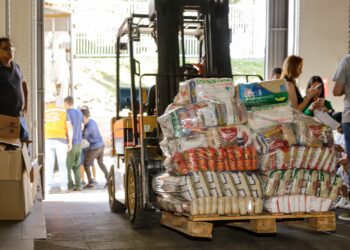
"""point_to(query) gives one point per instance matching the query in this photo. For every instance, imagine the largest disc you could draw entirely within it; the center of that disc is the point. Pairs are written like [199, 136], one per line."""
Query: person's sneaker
[344, 217]
[71, 189]
[342, 203]
[94, 182]
[347, 206]
[90, 185]
[78, 189]
[83, 183]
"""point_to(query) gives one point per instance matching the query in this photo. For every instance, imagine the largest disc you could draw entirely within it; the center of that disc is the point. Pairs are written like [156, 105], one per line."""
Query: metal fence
[245, 21]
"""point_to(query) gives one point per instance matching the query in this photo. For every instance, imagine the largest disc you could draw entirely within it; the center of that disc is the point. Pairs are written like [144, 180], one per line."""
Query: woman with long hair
[292, 68]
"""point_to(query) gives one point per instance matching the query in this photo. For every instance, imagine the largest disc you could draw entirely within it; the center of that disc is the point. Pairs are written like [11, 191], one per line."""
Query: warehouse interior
[317, 30]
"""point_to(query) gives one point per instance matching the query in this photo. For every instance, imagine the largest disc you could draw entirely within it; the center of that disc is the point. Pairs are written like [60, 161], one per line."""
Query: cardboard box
[9, 129]
[16, 198]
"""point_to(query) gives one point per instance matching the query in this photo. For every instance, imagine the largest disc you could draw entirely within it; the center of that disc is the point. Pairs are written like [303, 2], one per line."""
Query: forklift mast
[169, 22]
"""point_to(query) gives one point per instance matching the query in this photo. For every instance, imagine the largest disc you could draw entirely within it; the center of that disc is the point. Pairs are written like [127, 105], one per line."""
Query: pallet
[201, 225]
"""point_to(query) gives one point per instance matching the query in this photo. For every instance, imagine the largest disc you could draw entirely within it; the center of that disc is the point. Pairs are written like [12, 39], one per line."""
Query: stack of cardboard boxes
[16, 189]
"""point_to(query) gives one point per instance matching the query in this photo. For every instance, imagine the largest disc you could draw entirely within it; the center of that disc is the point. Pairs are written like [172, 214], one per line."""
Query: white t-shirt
[342, 76]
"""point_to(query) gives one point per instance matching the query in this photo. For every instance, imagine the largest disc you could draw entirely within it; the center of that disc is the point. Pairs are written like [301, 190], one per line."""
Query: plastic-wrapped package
[199, 184]
[335, 188]
[311, 185]
[186, 121]
[302, 153]
[239, 155]
[241, 184]
[330, 162]
[314, 160]
[250, 205]
[227, 205]
[258, 205]
[201, 89]
[284, 182]
[325, 205]
[271, 205]
[323, 185]
[242, 205]
[297, 180]
[165, 183]
[229, 136]
[201, 205]
[302, 203]
[182, 144]
[213, 183]
[326, 154]
[194, 207]
[270, 115]
[221, 205]
[311, 133]
[228, 187]
[276, 136]
[250, 158]
[234, 205]
[254, 185]
[181, 164]
[208, 205]
[169, 203]
[262, 93]
[214, 205]
[186, 188]
[272, 182]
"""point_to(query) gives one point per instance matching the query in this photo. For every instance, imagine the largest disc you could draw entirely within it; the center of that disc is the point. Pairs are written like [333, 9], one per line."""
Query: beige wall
[322, 40]
[22, 31]
[2, 18]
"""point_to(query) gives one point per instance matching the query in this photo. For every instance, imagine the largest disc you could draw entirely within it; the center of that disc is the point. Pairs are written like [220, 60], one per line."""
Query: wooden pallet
[201, 225]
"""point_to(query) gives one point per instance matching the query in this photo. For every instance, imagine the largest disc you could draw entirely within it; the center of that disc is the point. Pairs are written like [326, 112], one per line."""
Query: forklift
[136, 135]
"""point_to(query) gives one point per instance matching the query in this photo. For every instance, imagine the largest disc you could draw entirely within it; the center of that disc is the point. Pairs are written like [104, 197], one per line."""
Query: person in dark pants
[74, 155]
[13, 89]
[95, 150]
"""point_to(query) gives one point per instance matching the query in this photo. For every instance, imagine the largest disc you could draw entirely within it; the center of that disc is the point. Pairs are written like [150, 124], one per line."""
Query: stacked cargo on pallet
[235, 153]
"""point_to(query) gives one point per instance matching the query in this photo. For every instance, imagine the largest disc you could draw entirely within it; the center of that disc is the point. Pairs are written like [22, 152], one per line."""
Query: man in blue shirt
[74, 155]
[96, 148]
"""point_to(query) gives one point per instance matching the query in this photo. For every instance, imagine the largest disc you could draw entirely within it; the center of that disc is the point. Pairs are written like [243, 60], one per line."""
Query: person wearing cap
[13, 89]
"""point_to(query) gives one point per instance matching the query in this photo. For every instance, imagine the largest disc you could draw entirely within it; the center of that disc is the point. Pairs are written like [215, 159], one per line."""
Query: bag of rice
[254, 185]
[311, 185]
[199, 184]
[213, 183]
[258, 205]
[272, 182]
[323, 185]
[186, 188]
[241, 184]
[284, 182]
[335, 188]
[234, 205]
[242, 205]
[228, 187]
[296, 182]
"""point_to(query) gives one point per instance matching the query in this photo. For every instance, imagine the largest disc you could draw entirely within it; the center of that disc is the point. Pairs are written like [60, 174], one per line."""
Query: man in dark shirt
[13, 89]
[74, 155]
[96, 148]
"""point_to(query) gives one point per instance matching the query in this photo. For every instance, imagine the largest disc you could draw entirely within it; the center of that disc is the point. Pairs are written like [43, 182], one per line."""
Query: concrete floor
[82, 220]
[20, 235]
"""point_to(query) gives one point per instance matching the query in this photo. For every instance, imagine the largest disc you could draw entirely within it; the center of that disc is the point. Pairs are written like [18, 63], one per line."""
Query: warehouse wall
[322, 39]
[22, 30]
[2, 17]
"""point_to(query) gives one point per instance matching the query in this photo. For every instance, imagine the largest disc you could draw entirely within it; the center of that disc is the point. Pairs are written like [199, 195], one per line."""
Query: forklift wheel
[139, 216]
[114, 205]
